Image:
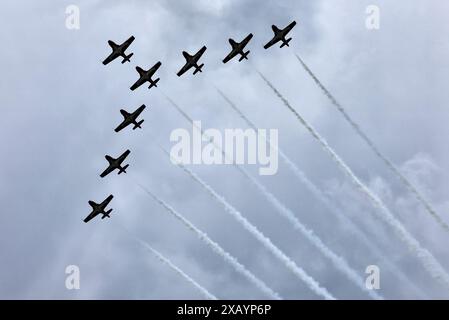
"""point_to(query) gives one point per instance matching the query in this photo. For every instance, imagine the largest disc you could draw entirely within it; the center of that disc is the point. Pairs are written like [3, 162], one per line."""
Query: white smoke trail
[288, 262]
[427, 259]
[338, 261]
[344, 220]
[172, 266]
[175, 105]
[376, 151]
[216, 248]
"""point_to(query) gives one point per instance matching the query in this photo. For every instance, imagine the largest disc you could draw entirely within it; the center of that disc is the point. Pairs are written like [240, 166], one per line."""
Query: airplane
[99, 209]
[146, 76]
[192, 61]
[115, 164]
[119, 50]
[237, 48]
[279, 35]
[130, 118]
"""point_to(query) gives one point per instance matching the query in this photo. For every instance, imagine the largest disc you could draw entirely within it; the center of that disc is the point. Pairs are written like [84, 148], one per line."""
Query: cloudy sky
[60, 105]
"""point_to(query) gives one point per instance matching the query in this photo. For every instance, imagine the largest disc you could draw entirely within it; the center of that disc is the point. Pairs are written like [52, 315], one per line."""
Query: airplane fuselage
[118, 49]
[99, 209]
[192, 61]
[114, 163]
[121, 50]
[145, 76]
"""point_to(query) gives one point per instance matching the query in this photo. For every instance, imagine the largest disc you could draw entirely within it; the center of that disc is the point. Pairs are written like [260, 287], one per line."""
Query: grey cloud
[60, 104]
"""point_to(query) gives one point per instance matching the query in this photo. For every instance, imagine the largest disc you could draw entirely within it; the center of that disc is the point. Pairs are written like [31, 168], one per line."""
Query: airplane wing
[231, 55]
[92, 215]
[200, 53]
[271, 42]
[154, 68]
[110, 58]
[288, 28]
[186, 67]
[123, 125]
[127, 43]
[123, 156]
[137, 84]
[107, 171]
[246, 40]
[141, 80]
[107, 200]
[138, 111]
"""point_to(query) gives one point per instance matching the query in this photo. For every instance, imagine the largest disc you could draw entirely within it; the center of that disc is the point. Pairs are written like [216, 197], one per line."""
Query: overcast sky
[60, 105]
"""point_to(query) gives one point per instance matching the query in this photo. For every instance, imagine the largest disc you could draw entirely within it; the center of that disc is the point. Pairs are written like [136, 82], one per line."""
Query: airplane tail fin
[198, 68]
[285, 42]
[140, 71]
[244, 55]
[126, 58]
[137, 125]
[123, 169]
[153, 83]
[106, 214]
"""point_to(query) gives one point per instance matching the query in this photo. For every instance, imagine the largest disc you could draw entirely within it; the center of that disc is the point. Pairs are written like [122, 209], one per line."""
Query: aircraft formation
[192, 61]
